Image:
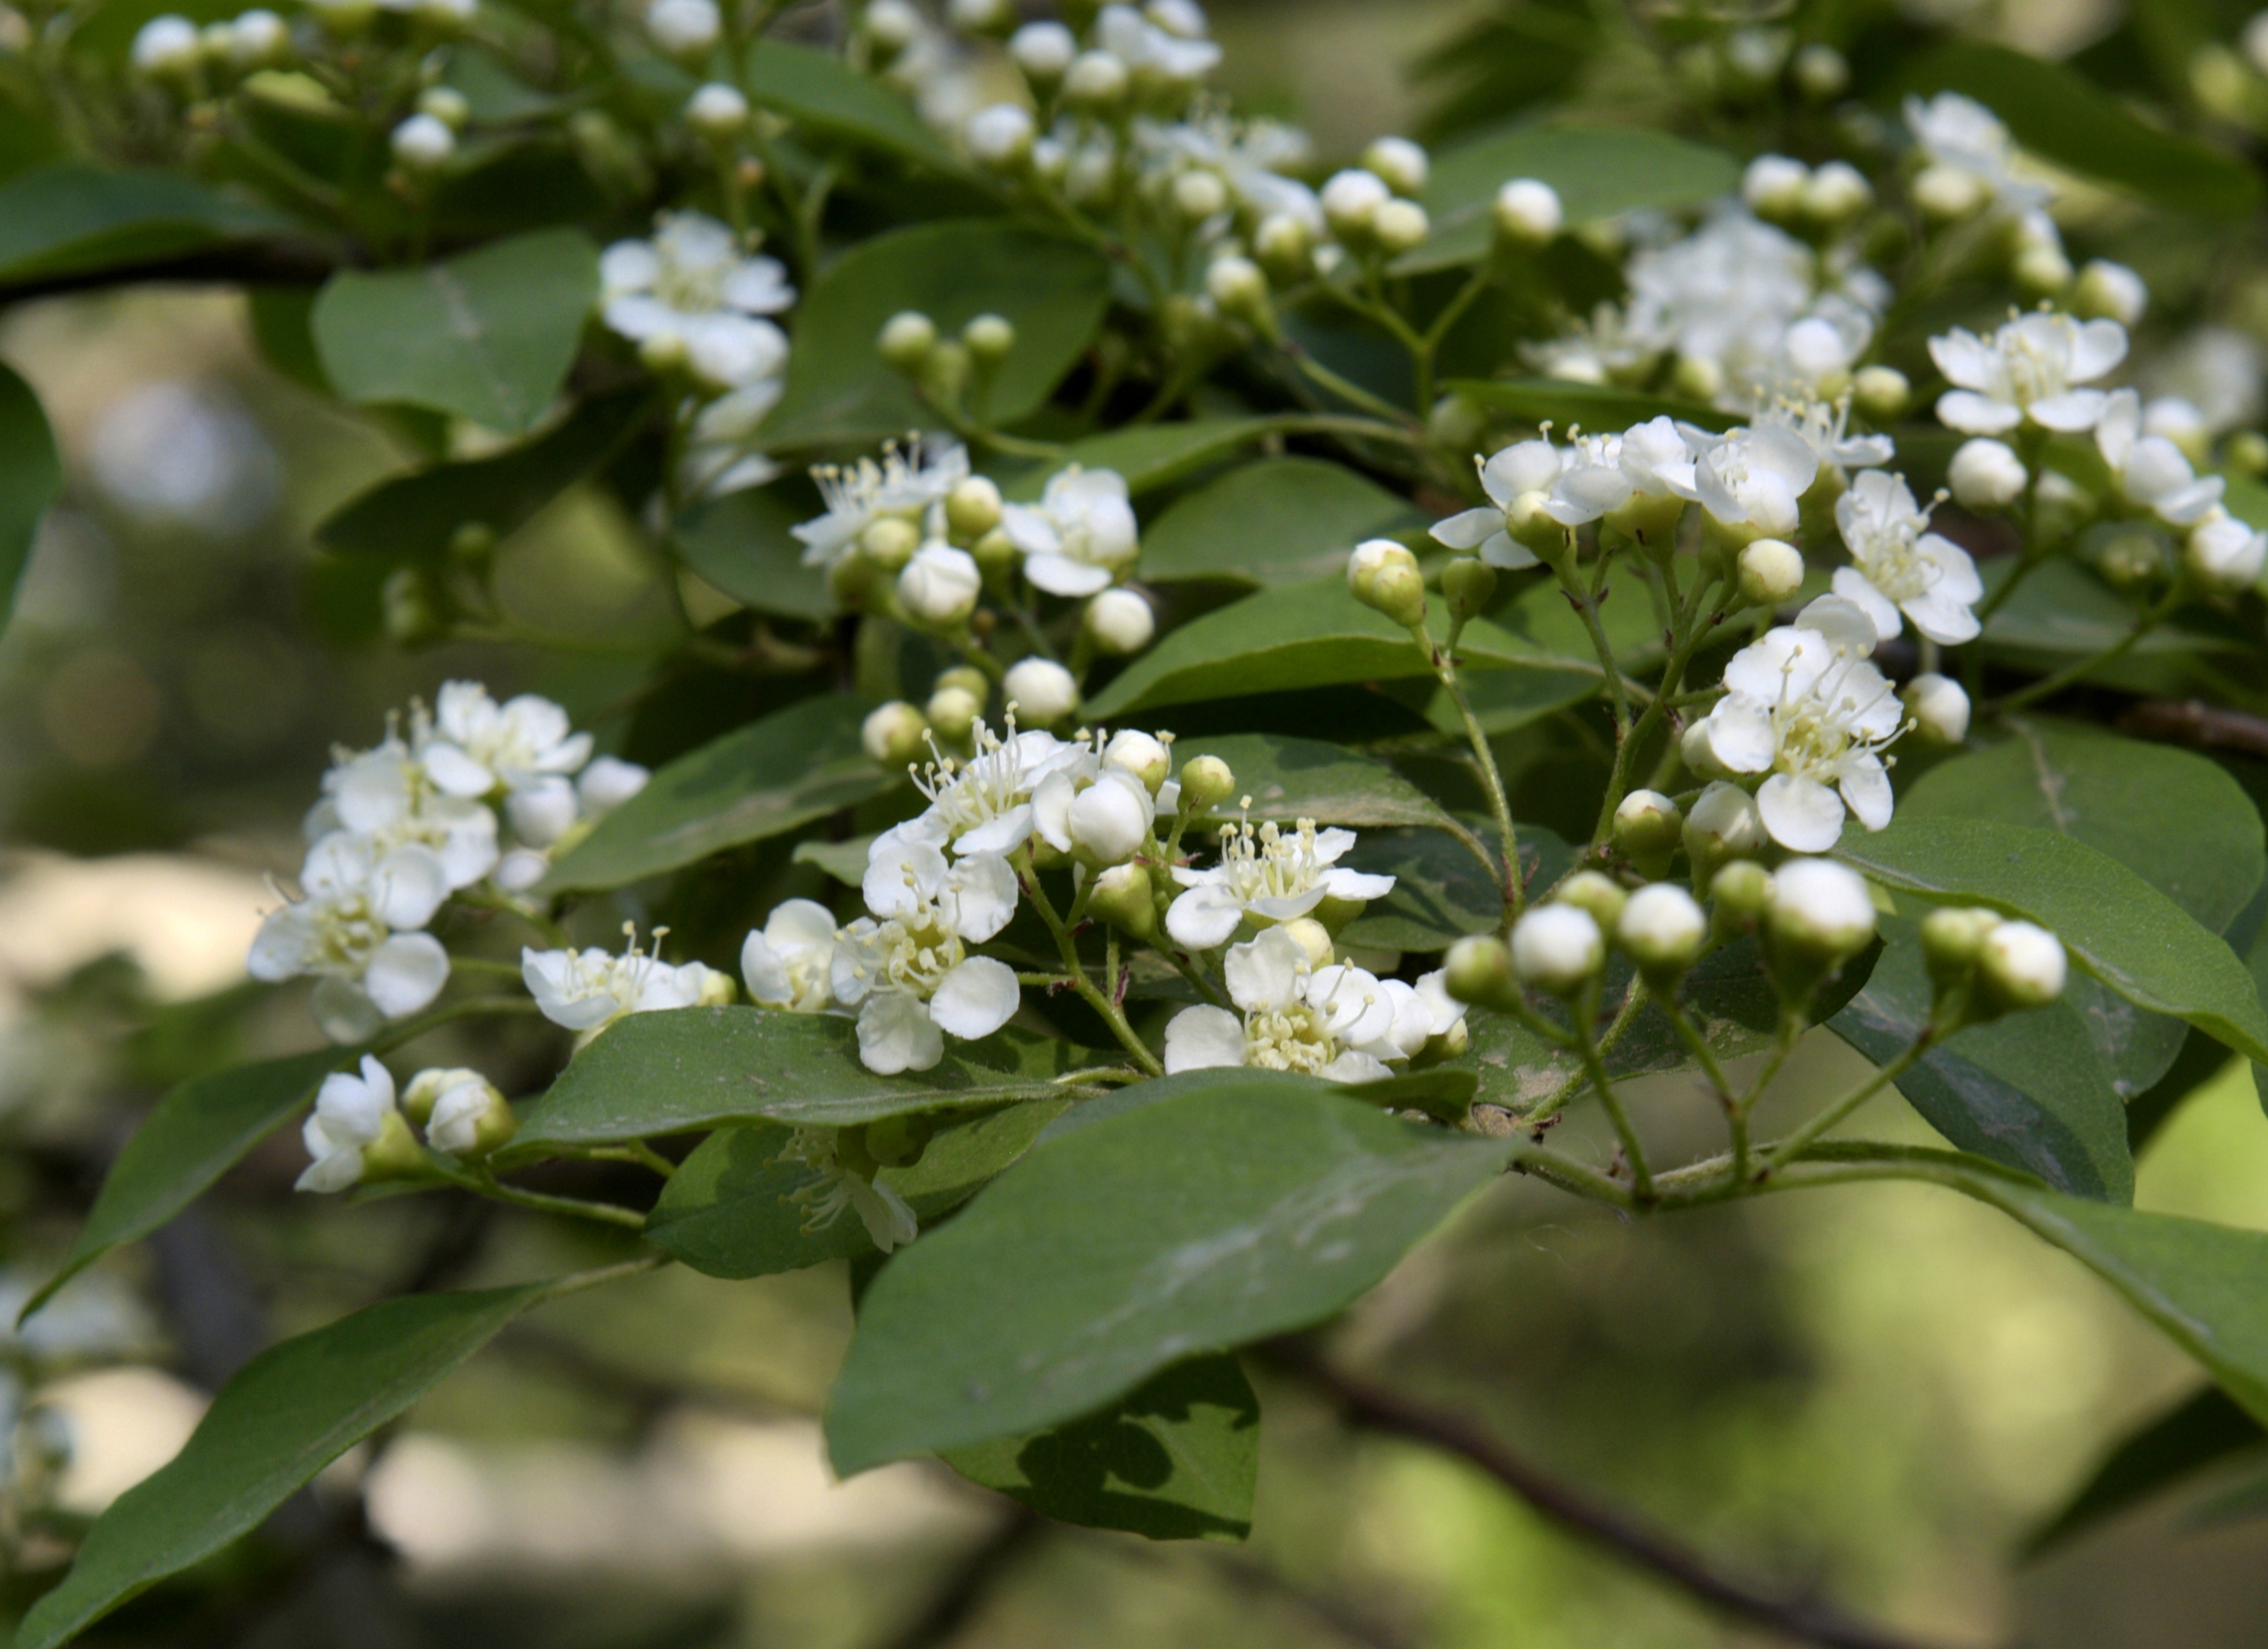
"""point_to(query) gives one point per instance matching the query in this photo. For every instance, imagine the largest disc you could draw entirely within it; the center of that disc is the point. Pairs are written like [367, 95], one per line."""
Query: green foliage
[30, 475]
[1279, 521]
[819, 89]
[69, 218]
[2203, 1430]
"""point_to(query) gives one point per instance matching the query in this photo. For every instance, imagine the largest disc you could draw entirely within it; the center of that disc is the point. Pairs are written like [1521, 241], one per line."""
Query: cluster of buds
[1788, 193]
[953, 373]
[358, 1133]
[1983, 965]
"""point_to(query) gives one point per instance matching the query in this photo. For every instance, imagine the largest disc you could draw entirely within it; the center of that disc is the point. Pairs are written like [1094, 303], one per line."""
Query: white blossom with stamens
[2035, 368]
[1265, 877]
[1753, 476]
[786, 963]
[2151, 470]
[1899, 565]
[1824, 427]
[1336, 1022]
[911, 479]
[589, 990]
[1080, 537]
[1522, 468]
[983, 805]
[355, 931]
[692, 283]
[910, 974]
[477, 747]
[1962, 134]
[387, 796]
[351, 1113]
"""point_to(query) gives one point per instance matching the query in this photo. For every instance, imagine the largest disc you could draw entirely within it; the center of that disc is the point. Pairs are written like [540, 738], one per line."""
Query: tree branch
[1648, 1548]
[2194, 722]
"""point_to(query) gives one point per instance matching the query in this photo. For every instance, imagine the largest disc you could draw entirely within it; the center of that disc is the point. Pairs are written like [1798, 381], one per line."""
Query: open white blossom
[2034, 367]
[478, 746]
[835, 1186]
[1255, 158]
[1080, 537]
[692, 283]
[1825, 426]
[785, 964]
[912, 479]
[2151, 470]
[984, 805]
[355, 931]
[1336, 1022]
[1967, 139]
[1152, 53]
[589, 990]
[1266, 877]
[1752, 476]
[721, 455]
[1806, 706]
[352, 1109]
[1523, 469]
[1606, 475]
[387, 796]
[912, 979]
[1899, 565]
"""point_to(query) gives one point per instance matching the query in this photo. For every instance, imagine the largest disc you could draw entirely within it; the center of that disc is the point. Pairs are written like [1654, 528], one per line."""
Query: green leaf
[2063, 612]
[198, 1132]
[727, 1209]
[1051, 290]
[742, 544]
[1282, 520]
[1246, 1204]
[1591, 405]
[287, 1414]
[71, 216]
[1503, 701]
[1149, 456]
[414, 518]
[2202, 1430]
[30, 475]
[764, 780]
[2117, 928]
[1177, 1458]
[1441, 892]
[819, 89]
[487, 336]
[1303, 634]
[1600, 171]
[2031, 1090]
[2062, 116]
[689, 1069]
[1289, 779]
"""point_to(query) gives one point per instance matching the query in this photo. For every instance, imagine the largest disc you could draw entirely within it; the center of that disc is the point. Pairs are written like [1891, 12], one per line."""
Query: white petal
[1866, 788]
[284, 947]
[1264, 973]
[1051, 810]
[1356, 1066]
[1799, 812]
[976, 999]
[1467, 531]
[344, 1011]
[2073, 410]
[1964, 358]
[1974, 414]
[1356, 885]
[1942, 618]
[979, 896]
[1003, 835]
[896, 1034]
[1501, 551]
[2100, 346]
[1060, 575]
[454, 771]
[406, 972]
[1740, 734]
[1204, 1039]
[1204, 918]
[1852, 586]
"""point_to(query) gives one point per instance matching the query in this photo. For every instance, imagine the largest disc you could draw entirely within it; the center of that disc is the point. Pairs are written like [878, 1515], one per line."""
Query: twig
[1795, 1617]
[2195, 722]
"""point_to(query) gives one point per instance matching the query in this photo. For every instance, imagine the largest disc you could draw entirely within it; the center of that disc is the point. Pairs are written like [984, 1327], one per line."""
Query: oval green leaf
[1282, 520]
[69, 218]
[822, 91]
[741, 544]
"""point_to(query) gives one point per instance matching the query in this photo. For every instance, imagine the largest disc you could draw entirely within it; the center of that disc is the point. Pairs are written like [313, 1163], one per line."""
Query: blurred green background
[1874, 1391]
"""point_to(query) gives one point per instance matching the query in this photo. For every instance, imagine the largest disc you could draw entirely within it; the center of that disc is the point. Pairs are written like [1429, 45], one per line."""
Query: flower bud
[1773, 186]
[2041, 270]
[989, 339]
[893, 734]
[447, 105]
[543, 812]
[1402, 164]
[410, 607]
[422, 144]
[1198, 193]
[1043, 52]
[1986, 474]
[1821, 914]
[259, 39]
[1528, 214]
[952, 711]
[1600, 895]
[2130, 562]
[1478, 970]
[889, 542]
[1469, 585]
[1383, 576]
[1723, 826]
[1951, 941]
[1400, 226]
[1837, 193]
[1122, 897]
[2021, 966]
[395, 1154]
[462, 1113]
[1369, 558]
[1693, 749]
[1558, 948]
[1206, 783]
[1948, 193]
[1121, 622]
[968, 679]
[1881, 393]
[1096, 82]
[997, 556]
[664, 354]
[1742, 893]
[1350, 200]
[1146, 758]
[1647, 831]
[1663, 928]
[939, 586]
[2224, 555]
[1770, 573]
[1284, 246]
[1238, 288]
[2246, 454]
[944, 373]
[1939, 708]
[1042, 691]
[973, 508]
[1822, 72]
[167, 48]
[2108, 290]
[717, 112]
[999, 138]
[1313, 938]
[685, 30]
[906, 340]
[1110, 820]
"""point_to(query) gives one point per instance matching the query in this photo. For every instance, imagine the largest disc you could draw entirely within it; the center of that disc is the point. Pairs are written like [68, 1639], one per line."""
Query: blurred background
[1876, 1392]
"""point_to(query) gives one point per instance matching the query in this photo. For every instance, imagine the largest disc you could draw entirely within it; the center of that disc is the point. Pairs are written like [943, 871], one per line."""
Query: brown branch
[2192, 722]
[1795, 1617]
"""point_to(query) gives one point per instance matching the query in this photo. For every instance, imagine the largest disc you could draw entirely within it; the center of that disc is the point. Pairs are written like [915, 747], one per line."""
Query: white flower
[1080, 537]
[720, 455]
[1901, 565]
[351, 1110]
[1152, 53]
[1265, 877]
[477, 746]
[887, 1219]
[691, 283]
[1963, 137]
[1824, 427]
[2225, 553]
[354, 932]
[1753, 476]
[2151, 470]
[1334, 1022]
[984, 805]
[1803, 706]
[167, 46]
[385, 796]
[2033, 367]
[607, 783]
[1986, 474]
[911, 880]
[999, 136]
[910, 481]
[786, 963]
[1523, 469]
[1723, 296]
[909, 975]
[589, 990]
[939, 586]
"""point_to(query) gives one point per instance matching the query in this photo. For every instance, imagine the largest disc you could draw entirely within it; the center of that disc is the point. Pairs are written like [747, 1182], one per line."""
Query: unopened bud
[1122, 897]
[1400, 226]
[2108, 290]
[1663, 928]
[944, 373]
[1139, 754]
[1469, 585]
[1197, 194]
[989, 339]
[1939, 708]
[1383, 575]
[973, 508]
[1647, 830]
[1948, 193]
[1770, 573]
[1404, 165]
[1313, 938]
[939, 586]
[1528, 214]
[1881, 393]
[1206, 783]
[952, 711]
[1558, 948]
[2020, 965]
[1773, 186]
[1350, 200]
[685, 30]
[422, 144]
[410, 607]
[1043, 51]
[166, 49]
[2224, 555]
[893, 734]
[2042, 272]
[1121, 622]
[395, 1154]
[1986, 474]
[889, 542]
[906, 340]
[1821, 73]
[447, 105]
[1837, 193]
[999, 138]
[1723, 826]
[1096, 82]
[1822, 914]
[1600, 895]
[462, 1112]
[997, 555]
[1109, 819]
[717, 112]
[1283, 247]
[1742, 893]
[1699, 754]
[1457, 421]
[1952, 939]
[1042, 691]
[1237, 287]
[1478, 970]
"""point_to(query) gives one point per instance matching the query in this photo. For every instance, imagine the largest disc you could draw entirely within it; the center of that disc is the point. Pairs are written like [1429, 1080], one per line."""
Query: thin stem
[1586, 608]
[2144, 624]
[637, 1152]
[599, 1277]
[1112, 1014]
[1792, 1146]
[1624, 1017]
[1789, 1033]
[1687, 636]
[1508, 875]
[481, 1179]
[1555, 1168]
[1595, 1064]
[1353, 393]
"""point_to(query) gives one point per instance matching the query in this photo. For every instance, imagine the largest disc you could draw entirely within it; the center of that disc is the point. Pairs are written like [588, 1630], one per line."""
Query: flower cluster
[358, 1132]
[1299, 1008]
[475, 795]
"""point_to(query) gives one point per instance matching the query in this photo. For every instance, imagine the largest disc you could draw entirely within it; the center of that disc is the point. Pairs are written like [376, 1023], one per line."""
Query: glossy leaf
[727, 1212]
[30, 475]
[1567, 404]
[1175, 1459]
[1149, 456]
[838, 389]
[819, 89]
[198, 1132]
[2059, 114]
[2203, 1430]
[1282, 520]
[487, 336]
[289, 1413]
[1289, 779]
[1441, 892]
[71, 216]
[1599, 172]
[2063, 612]
[742, 544]
[764, 780]
[1245, 1206]
[2031, 1091]
[687, 1069]
[416, 516]
[2117, 927]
